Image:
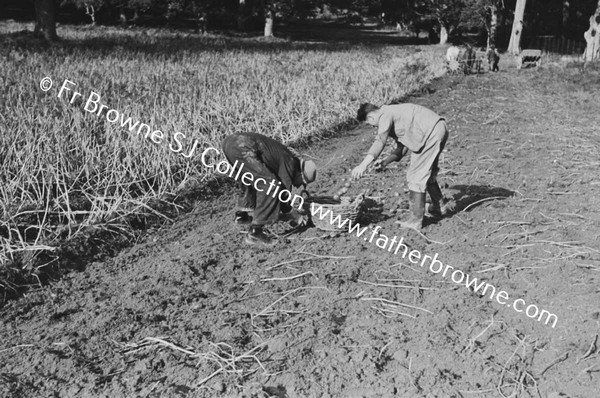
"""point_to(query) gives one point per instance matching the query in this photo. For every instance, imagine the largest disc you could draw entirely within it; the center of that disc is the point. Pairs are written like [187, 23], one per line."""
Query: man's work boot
[439, 207]
[257, 236]
[242, 218]
[417, 211]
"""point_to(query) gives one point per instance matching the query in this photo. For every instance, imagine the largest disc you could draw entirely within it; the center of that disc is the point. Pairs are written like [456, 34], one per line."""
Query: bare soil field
[191, 311]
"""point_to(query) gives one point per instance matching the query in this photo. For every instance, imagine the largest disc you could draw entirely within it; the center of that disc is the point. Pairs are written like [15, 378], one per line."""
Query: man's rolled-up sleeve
[385, 125]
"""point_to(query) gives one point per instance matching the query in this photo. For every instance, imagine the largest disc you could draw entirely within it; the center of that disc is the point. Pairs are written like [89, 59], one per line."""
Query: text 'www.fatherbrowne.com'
[457, 276]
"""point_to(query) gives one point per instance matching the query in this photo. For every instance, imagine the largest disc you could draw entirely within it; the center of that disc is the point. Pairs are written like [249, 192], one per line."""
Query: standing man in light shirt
[422, 132]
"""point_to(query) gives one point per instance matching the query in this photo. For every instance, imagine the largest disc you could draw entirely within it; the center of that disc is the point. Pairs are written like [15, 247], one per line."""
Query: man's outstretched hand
[358, 172]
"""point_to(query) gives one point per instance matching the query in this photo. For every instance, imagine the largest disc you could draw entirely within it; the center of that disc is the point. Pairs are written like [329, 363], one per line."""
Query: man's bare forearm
[367, 160]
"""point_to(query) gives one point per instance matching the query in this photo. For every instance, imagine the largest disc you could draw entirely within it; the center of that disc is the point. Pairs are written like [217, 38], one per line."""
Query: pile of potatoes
[342, 191]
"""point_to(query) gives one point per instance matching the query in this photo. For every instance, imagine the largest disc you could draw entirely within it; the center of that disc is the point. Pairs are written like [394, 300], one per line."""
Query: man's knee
[417, 184]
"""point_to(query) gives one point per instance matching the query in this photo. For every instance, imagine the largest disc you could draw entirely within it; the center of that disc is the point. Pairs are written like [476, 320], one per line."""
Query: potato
[336, 197]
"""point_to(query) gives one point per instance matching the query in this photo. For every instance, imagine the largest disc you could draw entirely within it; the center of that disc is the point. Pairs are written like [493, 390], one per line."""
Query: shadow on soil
[470, 197]
[467, 198]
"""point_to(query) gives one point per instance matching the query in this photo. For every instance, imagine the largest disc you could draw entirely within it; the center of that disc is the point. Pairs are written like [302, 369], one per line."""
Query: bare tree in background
[514, 46]
[91, 12]
[482, 13]
[242, 15]
[269, 16]
[45, 19]
[592, 37]
[566, 14]
[493, 26]
[447, 13]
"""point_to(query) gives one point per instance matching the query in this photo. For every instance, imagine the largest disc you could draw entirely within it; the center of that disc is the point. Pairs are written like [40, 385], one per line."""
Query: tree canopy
[453, 18]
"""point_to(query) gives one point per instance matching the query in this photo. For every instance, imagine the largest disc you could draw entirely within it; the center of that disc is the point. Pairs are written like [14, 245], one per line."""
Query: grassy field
[64, 169]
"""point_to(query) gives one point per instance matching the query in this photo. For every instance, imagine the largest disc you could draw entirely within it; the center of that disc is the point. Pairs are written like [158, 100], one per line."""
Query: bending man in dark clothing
[272, 162]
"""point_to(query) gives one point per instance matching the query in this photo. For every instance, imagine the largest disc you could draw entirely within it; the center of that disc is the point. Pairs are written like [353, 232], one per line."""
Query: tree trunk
[514, 47]
[202, 23]
[566, 14]
[592, 37]
[443, 34]
[91, 12]
[122, 17]
[45, 19]
[493, 26]
[268, 23]
[242, 16]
